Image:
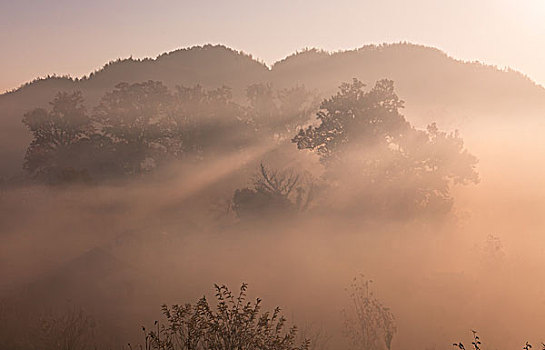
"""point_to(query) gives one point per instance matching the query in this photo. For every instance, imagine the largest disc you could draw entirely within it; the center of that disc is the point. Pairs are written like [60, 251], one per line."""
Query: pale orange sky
[76, 37]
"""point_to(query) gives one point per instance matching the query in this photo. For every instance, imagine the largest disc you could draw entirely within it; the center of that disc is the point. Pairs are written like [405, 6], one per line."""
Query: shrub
[233, 323]
[370, 325]
[274, 192]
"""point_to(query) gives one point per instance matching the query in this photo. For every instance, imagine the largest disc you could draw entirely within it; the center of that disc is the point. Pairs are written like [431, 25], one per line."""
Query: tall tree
[136, 118]
[209, 121]
[58, 136]
[364, 140]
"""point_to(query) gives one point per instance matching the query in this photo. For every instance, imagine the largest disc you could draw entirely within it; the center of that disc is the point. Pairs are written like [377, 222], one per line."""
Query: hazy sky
[40, 37]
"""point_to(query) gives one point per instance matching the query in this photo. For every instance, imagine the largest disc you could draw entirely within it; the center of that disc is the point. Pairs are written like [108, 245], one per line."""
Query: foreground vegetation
[230, 322]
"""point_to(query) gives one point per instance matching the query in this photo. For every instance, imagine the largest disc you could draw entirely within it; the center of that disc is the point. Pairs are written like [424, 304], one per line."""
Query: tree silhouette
[59, 135]
[136, 119]
[274, 192]
[209, 121]
[365, 141]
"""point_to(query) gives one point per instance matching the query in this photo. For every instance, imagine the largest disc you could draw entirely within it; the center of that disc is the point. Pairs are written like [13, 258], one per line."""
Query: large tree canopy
[368, 146]
[210, 121]
[59, 136]
[136, 119]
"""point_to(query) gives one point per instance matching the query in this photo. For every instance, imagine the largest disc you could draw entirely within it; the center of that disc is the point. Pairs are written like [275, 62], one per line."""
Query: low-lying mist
[120, 249]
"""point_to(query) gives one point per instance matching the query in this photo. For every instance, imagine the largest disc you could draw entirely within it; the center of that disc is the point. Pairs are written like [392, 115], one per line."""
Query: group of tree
[137, 127]
[374, 160]
[366, 144]
[371, 154]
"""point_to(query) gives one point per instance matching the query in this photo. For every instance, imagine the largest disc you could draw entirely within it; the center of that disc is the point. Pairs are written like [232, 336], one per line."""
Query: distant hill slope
[435, 86]
[425, 78]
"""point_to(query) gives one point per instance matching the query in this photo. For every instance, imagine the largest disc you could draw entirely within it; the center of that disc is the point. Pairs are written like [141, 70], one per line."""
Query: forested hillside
[439, 88]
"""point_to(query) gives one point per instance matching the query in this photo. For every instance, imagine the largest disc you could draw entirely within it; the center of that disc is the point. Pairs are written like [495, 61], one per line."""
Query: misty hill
[435, 86]
[426, 78]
